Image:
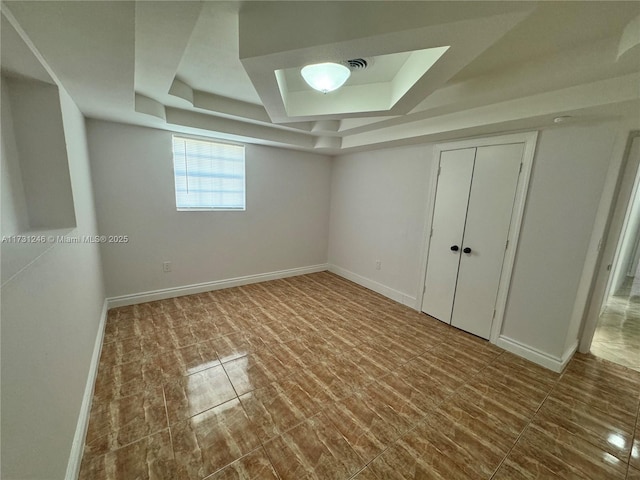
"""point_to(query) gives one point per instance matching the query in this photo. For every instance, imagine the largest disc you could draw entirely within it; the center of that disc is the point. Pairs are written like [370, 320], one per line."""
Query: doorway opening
[617, 333]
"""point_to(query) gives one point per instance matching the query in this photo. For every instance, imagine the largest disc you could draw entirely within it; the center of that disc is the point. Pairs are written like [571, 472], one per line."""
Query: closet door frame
[529, 139]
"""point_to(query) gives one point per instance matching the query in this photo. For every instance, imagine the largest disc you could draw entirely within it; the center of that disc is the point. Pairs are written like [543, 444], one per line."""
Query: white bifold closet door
[449, 214]
[472, 214]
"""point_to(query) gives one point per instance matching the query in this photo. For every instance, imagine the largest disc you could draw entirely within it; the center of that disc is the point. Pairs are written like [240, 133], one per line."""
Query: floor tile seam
[128, 444]
[531, 424]
[386, 448]
[404, 434]
[619, 456]
[414, 426]
[574, 450]
[236, 397]
[515, 443]
[533, 373]
[587, 412]
[353, 286]
[314, 300]
[588, 405]
[595, 378]
[249, 296]
[147, 353]
[232, 385]
[166, 413]
[114, 432]
[210, 476]
[493, 417]
[352, 477]
[107, 400]
[280, 434]
[636, 434]
[456, 391]
[346, 298]
[261, 285]
[178, 378]
[526, 427]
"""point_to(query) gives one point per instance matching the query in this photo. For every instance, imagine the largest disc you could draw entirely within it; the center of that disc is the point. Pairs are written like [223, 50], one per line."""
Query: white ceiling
[208, 67]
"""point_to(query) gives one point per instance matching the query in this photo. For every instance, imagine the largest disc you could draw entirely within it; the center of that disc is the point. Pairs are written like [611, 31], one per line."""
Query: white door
[493, 189]
[450, 211]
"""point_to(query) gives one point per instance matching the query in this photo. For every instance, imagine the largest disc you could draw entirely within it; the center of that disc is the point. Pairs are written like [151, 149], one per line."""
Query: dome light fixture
[562, 119]
[325, 77]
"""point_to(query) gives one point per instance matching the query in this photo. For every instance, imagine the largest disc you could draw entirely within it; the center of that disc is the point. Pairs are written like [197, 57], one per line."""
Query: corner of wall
[388, 292]
[77, 447]
[556, 364]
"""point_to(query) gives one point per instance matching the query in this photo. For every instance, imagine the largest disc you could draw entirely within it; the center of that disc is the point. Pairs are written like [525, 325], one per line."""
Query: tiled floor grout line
[350, 301]
[261, 446]
[355, 391]
[417, 424]
[262, 443]
[635, 433]
[526, 427]
[166, 413]
[461, 361]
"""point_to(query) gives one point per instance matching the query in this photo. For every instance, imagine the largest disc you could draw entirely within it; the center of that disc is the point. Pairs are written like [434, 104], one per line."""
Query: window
[208, 175]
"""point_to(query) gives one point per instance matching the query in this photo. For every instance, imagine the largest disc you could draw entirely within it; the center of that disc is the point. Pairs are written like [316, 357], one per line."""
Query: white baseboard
[375, 286]
[165, 293]
[77, 447]
[544, 359]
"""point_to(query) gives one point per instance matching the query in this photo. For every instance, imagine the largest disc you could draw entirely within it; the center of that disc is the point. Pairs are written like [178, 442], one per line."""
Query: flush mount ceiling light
[562, 119]
[325, 77]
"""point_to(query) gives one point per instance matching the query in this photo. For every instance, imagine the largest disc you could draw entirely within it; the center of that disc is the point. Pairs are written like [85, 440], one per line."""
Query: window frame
[182, 136]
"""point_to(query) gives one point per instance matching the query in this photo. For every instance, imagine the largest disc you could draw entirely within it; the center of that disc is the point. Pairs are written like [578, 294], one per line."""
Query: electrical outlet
[378, 264]
[166, 267]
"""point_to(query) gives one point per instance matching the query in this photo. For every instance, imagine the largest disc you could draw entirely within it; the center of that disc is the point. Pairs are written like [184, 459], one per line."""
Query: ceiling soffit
[209, 68]
[457, 40]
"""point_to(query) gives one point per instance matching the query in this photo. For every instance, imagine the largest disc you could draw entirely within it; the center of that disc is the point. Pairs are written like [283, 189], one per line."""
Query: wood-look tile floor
[617, 336]
[314, 377]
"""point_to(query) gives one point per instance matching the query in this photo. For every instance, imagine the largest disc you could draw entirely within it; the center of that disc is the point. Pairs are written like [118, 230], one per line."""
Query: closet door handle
[455, 248]
[466, 250]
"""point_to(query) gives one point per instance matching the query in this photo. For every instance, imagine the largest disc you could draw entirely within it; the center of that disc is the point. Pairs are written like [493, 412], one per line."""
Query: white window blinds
[208, 175]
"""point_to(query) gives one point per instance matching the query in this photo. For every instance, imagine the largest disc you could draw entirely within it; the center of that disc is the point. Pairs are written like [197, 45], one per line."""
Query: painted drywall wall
[39, 136]
[285, 224]
[14, 208]
[569, 172]
[50, 316]
[378, 212]
[379, 208]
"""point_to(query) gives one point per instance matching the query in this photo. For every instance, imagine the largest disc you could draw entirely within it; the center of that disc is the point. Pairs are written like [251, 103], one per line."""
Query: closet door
[491, 200]
[450, 210]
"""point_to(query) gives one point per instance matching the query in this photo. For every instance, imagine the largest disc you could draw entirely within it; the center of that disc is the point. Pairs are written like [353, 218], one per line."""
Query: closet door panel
[493, 188]
[452, 195]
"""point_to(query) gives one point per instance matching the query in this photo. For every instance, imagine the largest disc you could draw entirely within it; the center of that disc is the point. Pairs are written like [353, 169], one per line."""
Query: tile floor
[314, 377]
[617, 336]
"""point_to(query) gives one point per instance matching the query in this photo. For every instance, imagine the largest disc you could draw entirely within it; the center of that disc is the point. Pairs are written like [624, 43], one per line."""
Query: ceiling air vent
[356, 64]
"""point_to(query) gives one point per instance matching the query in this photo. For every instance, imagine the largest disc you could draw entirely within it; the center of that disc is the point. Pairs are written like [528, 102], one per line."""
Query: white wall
[14, 208]
[378, 211]
[50, 316]
[569, 172]
[285, 225]
[39, 138]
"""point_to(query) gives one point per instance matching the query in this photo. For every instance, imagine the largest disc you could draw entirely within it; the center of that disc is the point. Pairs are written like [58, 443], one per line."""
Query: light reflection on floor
[617, 336]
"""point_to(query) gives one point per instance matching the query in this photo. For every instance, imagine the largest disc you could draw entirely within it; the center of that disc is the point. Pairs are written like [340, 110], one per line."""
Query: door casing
[529, 139]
